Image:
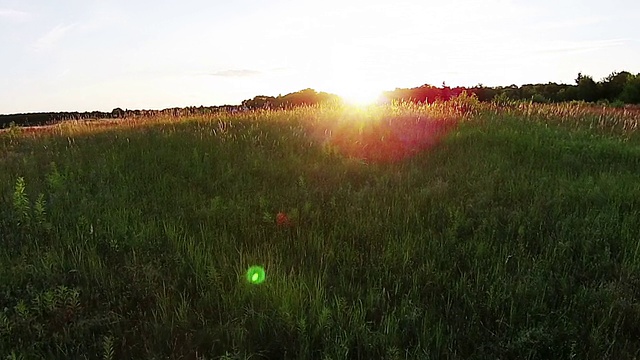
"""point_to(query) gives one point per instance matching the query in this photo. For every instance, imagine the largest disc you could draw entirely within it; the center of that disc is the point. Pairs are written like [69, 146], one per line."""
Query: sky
[97, 55]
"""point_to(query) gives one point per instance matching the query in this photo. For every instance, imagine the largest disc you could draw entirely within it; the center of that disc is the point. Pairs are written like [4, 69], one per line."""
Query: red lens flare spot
[392, 140]
[283, 220]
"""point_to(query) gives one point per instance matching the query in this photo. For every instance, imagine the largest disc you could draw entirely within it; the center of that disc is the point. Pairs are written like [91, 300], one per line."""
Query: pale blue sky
[83, 55]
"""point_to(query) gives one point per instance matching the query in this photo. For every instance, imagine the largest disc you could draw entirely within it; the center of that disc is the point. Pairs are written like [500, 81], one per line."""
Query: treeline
[298, 98]
[39, 119]
[617, 89]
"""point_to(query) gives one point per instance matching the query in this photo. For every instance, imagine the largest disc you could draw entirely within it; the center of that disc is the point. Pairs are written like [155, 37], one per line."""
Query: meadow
[458, 230]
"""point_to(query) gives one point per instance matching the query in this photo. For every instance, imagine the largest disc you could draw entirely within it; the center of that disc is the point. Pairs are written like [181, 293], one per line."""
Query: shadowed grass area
[507, 232]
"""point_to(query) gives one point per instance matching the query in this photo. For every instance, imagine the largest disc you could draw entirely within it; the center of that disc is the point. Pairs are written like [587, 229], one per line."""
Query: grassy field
[449, 231]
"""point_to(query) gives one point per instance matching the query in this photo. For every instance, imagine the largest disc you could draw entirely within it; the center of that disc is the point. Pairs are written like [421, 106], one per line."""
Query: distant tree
[568, 93]
[631, 91]
[612, 85]
[427, 93]
[527, 91]
[117, 113]
[512, 92]
[484, 93]
[324, 97]
[301, 98]
[587, 88]
[551, 91]
[259, 102]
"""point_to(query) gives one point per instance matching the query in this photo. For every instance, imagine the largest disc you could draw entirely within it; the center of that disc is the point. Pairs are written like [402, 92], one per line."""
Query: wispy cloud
[236, 73]
[49, 40]
[582, 46]
[14, 15]
[571, 23]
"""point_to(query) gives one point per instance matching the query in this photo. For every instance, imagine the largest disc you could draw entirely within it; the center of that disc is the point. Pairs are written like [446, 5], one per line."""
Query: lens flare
[255, 275]
[283, 220]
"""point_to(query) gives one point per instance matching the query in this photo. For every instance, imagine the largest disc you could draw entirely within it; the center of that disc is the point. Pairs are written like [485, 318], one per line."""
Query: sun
[347, 75]
[360, 97]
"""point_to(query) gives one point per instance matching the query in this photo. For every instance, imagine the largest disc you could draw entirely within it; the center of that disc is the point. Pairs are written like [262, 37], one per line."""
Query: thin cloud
[14, 15]
[52, 37]
[236, 73]
[584, 46]
[571, 23]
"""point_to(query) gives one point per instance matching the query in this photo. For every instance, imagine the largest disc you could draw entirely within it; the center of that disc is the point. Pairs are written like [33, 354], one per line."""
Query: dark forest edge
[617, 90]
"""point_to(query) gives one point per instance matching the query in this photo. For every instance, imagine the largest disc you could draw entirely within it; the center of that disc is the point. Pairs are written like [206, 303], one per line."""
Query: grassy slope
[514, 237]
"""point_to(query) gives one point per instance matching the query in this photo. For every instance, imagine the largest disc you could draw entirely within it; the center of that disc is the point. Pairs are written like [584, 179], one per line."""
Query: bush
[617, 104]
[502, 99]
[539, 98]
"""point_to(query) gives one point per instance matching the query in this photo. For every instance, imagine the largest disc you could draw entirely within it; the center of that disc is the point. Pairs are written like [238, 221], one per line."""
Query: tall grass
[456, 230]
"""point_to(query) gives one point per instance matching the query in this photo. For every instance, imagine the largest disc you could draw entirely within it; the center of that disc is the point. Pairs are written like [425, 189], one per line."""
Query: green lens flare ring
[255, 275]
